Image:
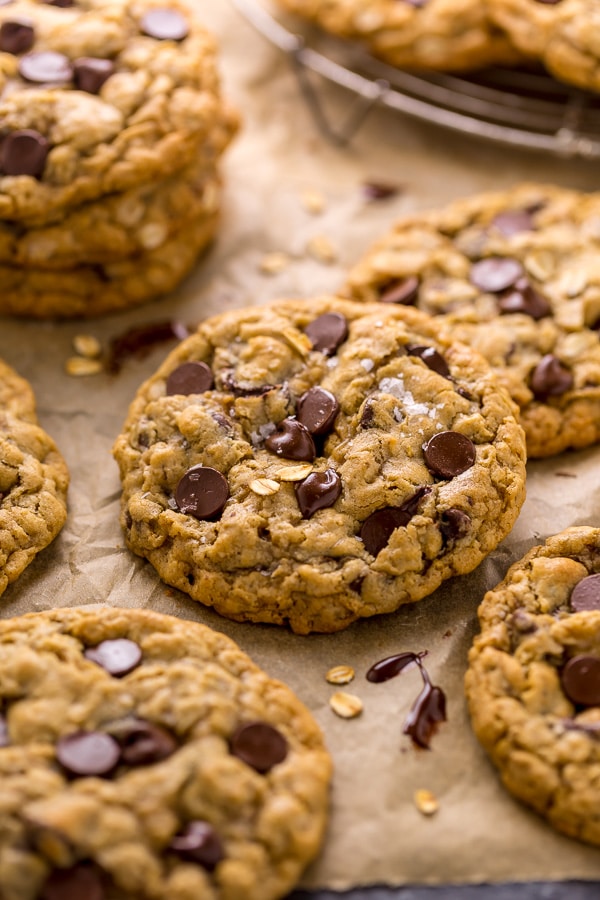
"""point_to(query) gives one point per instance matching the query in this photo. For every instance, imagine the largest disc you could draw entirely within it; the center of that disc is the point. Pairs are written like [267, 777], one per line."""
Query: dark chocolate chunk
[449, 453]
[202, 492]
[190, 378]
[585, 596]
[403, 291]
[199, 843]
[430, 356]
[118, 656]
[580, 679]
[524, 298]
[513, 221]
[259, 745]
[367, 417]
[317, 409]
[24, 153]
[165, 24]
[292, 440]
[16, 37]
[143, 743]
[377, 528]
[550, 378]
[454, 524]
[87, 753]
[327, 332]
[46, 67]
[90, 73]
[496, 273]
[77, 883]
[318, 491]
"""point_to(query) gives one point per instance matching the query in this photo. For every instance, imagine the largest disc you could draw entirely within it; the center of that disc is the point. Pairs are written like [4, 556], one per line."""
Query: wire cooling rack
[521, 107]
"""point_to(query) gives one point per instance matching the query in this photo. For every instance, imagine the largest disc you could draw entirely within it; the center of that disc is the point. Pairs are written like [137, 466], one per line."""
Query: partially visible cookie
[533, 683]
[313, 462]
[429, 34]
[146, 756]
[514, 274]
[33, 480]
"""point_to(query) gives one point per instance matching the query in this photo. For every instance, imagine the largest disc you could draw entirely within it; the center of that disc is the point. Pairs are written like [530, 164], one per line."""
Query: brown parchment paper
[376, 834]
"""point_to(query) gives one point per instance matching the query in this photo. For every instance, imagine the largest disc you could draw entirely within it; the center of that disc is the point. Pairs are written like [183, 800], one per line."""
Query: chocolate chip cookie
[145, 756]
[430, 34]
[533, 683]
[515, 275]
[33, 480]
[313, 462]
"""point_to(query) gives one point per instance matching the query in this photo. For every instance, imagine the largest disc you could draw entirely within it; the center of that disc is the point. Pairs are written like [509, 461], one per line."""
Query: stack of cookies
[112, 126]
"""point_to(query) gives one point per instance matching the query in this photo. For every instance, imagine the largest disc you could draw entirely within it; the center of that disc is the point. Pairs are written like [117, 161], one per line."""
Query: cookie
[429, 34]
[515, 275]
[100, 96]
[92, 290]
[313, 462]
[145, 756]
[33, 480]
[533, 683]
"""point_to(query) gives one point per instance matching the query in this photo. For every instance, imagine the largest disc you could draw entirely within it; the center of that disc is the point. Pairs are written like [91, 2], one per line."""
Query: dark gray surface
[555, 890]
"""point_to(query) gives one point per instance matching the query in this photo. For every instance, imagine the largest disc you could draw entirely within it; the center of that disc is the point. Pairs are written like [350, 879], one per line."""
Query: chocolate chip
[259, 745]
[496, 273]
[430, 356]
[46, 67]
[143, 743]
[550, 378]
[513, 221]
[199, 843]
[190, 378]
[202, 492]
[76, 883]
[449, 453]
[118, 656]
[318, 491]
[4, 738]
[580, 679]
[356, 584]
[64, 4]
[403, 291]
[327, 332]
[87, 753]
[90, 73]
[292, 440]
[377, 528]
[524, 298]
[229, 383]
[164, 24]
[585, 596]
[16, 37]
[317, 410]
[454, 524]
[376, 190]
[23, 153]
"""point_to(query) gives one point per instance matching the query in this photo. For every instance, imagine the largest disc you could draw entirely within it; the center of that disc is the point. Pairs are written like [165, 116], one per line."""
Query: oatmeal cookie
[514, 274]
[33, 480]
[145, 756]
[313, 462]
[533, 683]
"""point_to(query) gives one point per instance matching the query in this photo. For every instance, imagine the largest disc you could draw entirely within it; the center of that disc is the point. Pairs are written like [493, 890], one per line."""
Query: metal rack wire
[521, 107]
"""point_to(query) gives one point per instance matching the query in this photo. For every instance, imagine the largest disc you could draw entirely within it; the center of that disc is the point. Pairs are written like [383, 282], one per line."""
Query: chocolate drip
[392, 665]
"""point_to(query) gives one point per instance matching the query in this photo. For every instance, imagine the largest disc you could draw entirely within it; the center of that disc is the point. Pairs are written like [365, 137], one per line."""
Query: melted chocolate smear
[140, 341]
[229, 383]
[392, 665]
[377, 190]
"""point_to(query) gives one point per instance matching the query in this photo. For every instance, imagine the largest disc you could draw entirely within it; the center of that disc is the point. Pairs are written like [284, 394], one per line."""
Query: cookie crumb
[87, 345]
[79, 366]
[313, 201]
[347, 706]
[273, 263]
[340, 675]
[426, 802]
[321, 248]
[264, 487]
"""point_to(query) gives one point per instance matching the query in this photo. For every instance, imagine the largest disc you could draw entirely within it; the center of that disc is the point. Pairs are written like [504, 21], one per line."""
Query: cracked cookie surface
[313, 462]
[145, 757]
[533, 683]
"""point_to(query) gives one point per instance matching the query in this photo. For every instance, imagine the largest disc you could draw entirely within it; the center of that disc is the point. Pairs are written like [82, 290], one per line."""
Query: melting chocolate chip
[24, 153]
[392, 665]
[403, 291]
[449, 453]
[427, 712]
[376, 530]
[118, 656]
[4, 737]
[164, 24]
[327, 332]
[190, 378]
[317, 410]
[585, 596]
[524, 298]
[513, 221]
[229, 383]
[550, 378]
[430, 356]
[143, 743]
[318, 491]
[74, 884]
[199, 843]
[140, 340]
[367, 417]
[580, 679]
[454, 524]
[90, 73]
[46, 67]
[16, 37]
[496, 273]
[292, 440]
[259, 745]
[202, 492]
[87, 753]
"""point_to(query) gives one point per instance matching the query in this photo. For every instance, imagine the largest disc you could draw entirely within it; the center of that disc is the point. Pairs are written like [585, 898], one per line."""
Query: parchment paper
[376, 834]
